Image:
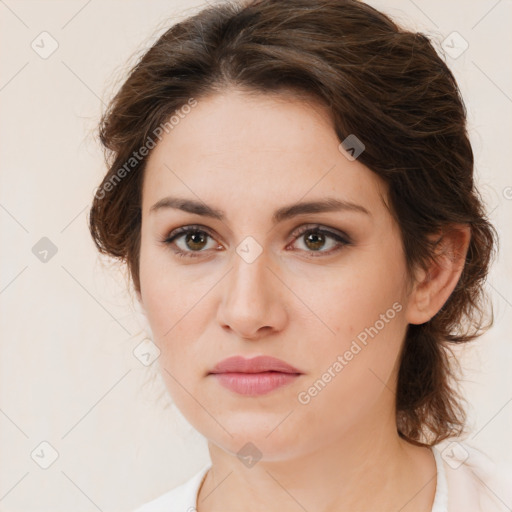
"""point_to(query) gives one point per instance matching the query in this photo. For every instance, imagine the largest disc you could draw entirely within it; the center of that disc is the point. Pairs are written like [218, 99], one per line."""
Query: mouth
[252, 377]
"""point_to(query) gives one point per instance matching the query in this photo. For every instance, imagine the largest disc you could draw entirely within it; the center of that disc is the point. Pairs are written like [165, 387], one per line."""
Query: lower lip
[254, 383]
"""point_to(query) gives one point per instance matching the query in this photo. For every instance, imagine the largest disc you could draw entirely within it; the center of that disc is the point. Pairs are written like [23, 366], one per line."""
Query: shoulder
[475, 483]
[180, 499]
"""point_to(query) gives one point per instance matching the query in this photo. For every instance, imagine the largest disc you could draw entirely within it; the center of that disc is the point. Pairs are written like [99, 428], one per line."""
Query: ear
[433, 287]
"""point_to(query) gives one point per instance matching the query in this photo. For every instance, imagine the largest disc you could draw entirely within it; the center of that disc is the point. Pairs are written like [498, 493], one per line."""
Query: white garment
[467, 481]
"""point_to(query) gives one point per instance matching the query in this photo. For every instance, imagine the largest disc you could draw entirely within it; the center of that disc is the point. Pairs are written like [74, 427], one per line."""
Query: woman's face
[324, 291]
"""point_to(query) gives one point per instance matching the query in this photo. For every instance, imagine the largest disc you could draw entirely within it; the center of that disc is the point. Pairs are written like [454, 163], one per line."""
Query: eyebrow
[328, 204]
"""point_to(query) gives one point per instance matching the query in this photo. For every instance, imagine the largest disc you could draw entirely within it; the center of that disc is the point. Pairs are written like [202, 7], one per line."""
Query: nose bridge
[250, 278]
[251, 300]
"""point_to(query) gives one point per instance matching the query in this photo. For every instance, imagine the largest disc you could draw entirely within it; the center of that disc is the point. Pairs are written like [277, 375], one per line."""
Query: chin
[256, 436]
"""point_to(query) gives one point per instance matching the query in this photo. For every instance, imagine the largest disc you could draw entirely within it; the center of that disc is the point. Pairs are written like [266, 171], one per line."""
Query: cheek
[352, 298]
[166, 293]
[173, 316]
[354, 372]
[363, 306]
[176, 307]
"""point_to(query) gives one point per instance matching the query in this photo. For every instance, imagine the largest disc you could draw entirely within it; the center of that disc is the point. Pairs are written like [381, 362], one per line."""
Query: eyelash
[342, 239]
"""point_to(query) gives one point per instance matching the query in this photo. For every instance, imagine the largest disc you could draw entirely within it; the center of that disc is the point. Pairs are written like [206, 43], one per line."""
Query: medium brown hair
[382, 83]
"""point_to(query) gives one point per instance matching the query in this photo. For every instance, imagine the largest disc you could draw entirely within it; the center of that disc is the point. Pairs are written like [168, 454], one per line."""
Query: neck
[368, 469]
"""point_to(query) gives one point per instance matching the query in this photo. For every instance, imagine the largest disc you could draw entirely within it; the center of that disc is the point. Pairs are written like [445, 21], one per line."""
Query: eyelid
[168, 240]
[339, 236]
[296, 232]
[183, 230]
[321, 229]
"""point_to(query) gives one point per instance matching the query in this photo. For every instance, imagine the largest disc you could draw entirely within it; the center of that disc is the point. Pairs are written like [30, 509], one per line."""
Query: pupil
[313, 240]
[316, 239]
[195, 238]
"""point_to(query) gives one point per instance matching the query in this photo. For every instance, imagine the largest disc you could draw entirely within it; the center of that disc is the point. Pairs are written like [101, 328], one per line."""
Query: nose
[253, 300]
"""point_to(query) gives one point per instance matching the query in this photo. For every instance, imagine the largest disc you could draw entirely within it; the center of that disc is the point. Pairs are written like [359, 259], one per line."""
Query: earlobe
[416, 311]
[434, 286]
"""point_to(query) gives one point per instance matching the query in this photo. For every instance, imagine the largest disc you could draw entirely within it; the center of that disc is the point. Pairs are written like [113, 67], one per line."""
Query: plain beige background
[69, 377]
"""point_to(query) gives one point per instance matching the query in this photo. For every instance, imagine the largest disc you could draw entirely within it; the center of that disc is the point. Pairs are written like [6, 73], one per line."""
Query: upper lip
[257, 364]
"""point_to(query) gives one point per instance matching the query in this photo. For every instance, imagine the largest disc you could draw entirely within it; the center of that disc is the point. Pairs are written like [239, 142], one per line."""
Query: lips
[253, 377]
[259, 364]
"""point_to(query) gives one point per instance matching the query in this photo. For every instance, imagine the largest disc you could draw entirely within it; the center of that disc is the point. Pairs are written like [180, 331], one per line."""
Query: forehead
[239, 124]
[265, 148]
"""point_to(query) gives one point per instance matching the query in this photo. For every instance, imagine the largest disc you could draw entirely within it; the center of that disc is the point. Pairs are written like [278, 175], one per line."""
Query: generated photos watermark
[342, 360]
[150, 143]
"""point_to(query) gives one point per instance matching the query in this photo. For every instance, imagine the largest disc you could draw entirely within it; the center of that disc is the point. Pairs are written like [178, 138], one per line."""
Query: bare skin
[303, 303]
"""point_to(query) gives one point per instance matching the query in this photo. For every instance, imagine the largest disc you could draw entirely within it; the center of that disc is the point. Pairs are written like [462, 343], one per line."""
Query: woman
[291, 187]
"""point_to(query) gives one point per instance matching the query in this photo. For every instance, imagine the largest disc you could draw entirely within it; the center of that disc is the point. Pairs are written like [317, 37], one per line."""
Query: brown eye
[192, 241]
[189, 241]
[196, 240]
[315, 239]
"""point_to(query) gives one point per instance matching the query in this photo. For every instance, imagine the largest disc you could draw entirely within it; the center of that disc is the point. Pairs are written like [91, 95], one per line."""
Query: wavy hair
[381, 82]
